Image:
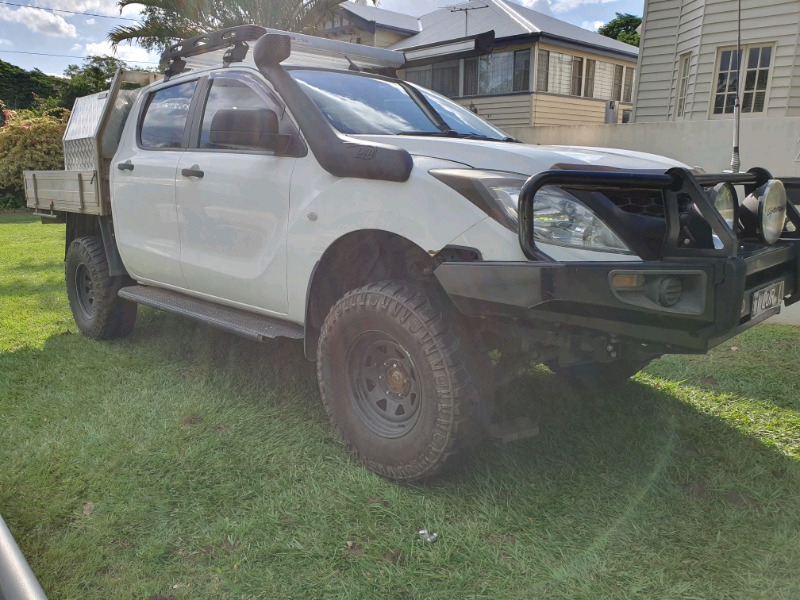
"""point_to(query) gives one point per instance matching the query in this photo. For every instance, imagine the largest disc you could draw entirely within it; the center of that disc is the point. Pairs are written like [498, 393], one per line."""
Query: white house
[513, 65]
[688, 62]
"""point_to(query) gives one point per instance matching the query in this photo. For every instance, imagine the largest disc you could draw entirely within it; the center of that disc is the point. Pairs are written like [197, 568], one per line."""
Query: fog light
[627, 281]
[670, 290]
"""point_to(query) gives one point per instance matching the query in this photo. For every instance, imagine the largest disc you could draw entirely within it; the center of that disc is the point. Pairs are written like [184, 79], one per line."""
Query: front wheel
[98, 311]
[394, 379]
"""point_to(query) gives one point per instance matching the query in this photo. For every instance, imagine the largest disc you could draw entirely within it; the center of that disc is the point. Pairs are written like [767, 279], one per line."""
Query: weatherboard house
[512, 65]
[689, 67]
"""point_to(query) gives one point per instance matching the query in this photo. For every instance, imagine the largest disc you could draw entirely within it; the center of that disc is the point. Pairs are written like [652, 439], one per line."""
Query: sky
[51, 34]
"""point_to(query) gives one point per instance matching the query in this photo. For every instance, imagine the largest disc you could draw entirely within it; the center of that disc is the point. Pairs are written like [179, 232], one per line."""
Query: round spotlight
[773, 211]
[723, 197]
[769, 203]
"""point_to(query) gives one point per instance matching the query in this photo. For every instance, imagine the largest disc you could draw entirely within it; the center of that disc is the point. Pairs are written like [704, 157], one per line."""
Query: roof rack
[234, 39]
[229, 45]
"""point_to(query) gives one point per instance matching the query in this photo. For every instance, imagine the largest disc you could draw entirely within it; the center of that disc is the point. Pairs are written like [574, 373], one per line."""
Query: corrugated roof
[507, 19]
[386, 18]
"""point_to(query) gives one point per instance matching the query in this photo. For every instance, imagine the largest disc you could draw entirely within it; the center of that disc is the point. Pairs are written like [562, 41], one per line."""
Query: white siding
[675, 27]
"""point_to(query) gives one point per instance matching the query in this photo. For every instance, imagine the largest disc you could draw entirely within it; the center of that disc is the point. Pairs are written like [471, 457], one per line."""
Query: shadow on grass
[631, 490]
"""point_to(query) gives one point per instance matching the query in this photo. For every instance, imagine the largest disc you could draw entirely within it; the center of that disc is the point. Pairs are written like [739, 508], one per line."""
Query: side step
[246, 324]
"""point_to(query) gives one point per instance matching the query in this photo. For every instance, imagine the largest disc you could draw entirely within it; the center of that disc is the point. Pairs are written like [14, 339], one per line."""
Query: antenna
[466, 10]
[737, 115]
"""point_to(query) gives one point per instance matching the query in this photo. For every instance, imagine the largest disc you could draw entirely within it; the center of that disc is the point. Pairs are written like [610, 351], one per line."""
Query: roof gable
[386, 19]
[507, 20]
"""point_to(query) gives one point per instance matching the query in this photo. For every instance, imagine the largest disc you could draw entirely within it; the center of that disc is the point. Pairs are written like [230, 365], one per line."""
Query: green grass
[187, 463]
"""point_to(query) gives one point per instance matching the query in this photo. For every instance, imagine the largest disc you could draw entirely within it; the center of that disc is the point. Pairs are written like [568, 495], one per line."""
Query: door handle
[125, 166]
[193, 172]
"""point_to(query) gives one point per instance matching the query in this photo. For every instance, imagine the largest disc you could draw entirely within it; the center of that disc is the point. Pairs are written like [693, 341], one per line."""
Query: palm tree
[168, 21]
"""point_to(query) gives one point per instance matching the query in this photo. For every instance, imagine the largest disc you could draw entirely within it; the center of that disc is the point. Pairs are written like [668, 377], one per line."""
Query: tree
[20, 88]
[168, 21]
[93, 76]
[623, 28]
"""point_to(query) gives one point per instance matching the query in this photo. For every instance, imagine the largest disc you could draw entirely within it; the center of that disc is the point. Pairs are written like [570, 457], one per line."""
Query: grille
[639, 202]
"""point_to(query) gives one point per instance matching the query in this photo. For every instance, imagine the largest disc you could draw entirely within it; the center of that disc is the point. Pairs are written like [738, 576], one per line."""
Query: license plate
[766, 299]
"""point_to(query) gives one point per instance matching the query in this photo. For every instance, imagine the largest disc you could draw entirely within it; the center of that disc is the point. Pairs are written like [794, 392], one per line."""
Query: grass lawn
[187, 463]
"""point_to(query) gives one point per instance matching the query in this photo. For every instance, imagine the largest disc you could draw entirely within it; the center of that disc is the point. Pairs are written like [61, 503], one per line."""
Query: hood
[523, 158]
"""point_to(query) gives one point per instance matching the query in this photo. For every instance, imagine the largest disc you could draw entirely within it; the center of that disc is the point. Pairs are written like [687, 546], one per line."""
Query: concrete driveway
[788, 316]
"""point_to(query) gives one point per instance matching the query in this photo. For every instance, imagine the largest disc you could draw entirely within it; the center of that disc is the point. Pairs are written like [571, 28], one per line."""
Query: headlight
[765, 211]
[494, 192]
[723, 197]
[560, 218]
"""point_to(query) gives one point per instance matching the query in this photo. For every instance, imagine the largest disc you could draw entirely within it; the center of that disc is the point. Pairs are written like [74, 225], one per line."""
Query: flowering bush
[28, 141]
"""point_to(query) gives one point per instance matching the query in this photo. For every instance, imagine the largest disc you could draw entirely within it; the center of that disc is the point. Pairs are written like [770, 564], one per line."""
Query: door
[143, 186]
[232, 193]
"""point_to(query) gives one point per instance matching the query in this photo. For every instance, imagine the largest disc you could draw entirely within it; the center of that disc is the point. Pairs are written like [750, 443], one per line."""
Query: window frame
[684, 73]
[188, 124]
[745, 49]
[263, 91]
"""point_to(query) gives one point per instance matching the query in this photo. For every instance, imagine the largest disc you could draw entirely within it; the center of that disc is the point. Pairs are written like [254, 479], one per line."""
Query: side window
[235, 117]
[165, 116]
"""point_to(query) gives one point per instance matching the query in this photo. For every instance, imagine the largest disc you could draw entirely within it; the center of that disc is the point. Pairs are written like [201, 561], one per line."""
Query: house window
[542, 71]
[627, 89]
[522, 70]
[559, 73]
[439, 77]
[498, 73]
[616, 91]
[444, 78]
[588, 90]
[577, 76]
[752, 86]
[756, 77]
[683, 84]
[420, 75]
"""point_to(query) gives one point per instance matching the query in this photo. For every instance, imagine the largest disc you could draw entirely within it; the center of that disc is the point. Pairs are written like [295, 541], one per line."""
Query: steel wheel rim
[84, 289]
[384, 384]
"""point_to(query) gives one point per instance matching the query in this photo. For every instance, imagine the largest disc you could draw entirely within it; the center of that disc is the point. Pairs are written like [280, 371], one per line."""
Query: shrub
[28, 141]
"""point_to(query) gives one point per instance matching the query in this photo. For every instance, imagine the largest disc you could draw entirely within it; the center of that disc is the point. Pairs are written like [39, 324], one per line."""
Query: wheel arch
[80, 225]
[365, 256]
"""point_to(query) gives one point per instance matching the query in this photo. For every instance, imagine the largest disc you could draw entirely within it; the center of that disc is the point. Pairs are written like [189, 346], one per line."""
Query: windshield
[355, 104]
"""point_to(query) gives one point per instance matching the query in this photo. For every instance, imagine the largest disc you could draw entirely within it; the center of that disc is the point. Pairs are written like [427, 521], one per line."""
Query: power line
[139, 62]
[72, 12]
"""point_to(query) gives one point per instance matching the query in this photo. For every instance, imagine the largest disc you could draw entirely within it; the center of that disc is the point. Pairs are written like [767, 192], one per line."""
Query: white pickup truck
[399, 235]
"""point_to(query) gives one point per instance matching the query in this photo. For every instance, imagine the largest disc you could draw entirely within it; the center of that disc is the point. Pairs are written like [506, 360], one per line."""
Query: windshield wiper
[446, 133]
[455, 134]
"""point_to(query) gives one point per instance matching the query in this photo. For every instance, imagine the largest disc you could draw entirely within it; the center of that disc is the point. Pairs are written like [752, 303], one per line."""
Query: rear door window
[165, 117]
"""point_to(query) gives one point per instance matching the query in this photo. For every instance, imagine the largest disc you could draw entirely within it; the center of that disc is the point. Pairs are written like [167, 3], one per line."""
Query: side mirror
[255, 129]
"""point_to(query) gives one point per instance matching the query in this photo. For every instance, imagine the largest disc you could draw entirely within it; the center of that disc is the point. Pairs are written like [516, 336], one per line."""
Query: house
[688, 63]
[512, 65]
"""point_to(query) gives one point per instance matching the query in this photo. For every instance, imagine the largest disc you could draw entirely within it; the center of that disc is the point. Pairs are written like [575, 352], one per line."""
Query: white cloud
[103, 7]
[592, 25]
[90, 21]
[6, 42]
[38, 21]
[128, 53]
[76, 48]
[559, 6]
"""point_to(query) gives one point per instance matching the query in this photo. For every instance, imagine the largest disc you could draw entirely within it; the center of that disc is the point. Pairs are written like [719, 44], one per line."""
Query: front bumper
[580, 295]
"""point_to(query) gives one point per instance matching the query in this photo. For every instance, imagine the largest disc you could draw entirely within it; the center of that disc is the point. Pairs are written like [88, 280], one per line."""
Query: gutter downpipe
[17, 581]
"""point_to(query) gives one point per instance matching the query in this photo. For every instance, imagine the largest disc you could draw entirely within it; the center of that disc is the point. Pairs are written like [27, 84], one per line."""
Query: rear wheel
[394, 378]
[98, 311]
